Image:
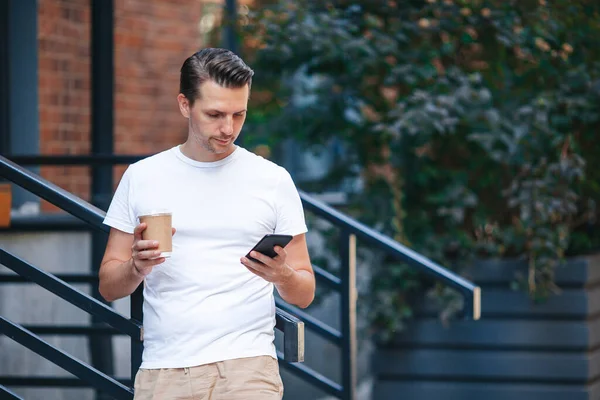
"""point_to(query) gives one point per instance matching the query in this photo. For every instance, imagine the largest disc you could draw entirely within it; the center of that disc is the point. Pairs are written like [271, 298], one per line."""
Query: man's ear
[184, 105]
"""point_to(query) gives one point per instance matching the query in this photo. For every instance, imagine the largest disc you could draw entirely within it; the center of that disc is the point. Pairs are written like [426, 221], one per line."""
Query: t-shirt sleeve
[290, 214]
[120, 213]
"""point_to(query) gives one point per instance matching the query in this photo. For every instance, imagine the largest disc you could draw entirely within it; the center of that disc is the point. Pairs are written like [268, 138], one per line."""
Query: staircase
[291, 321]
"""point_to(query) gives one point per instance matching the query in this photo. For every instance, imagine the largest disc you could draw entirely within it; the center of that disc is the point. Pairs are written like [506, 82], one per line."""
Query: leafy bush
[470, 125]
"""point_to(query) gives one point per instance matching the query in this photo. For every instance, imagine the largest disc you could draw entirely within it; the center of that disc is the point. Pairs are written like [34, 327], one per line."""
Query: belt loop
[186, 370]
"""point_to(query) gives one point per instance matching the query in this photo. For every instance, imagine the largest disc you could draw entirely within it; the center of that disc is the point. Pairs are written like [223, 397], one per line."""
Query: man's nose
[227, 127]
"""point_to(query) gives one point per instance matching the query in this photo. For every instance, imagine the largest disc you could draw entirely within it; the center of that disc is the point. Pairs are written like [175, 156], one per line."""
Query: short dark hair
[219, 65]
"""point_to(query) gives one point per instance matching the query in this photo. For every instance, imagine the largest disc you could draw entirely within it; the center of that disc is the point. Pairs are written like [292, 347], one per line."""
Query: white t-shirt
[202, 305]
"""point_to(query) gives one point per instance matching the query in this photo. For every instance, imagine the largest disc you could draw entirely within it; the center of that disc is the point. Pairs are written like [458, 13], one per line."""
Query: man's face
[217, 116]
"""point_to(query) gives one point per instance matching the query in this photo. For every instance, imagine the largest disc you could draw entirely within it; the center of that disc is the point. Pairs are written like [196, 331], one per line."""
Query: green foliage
[470, 124]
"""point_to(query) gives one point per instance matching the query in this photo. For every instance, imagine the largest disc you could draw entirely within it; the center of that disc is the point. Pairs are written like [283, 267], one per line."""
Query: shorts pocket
[272, 370]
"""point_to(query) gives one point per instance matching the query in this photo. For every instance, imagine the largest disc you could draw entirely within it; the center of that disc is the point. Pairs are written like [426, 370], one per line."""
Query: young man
[209, 312]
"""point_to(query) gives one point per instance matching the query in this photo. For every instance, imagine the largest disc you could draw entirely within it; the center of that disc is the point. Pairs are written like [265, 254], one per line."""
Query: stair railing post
[136, 302]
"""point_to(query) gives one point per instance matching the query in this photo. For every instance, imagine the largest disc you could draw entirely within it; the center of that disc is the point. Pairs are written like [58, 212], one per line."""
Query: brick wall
[152, 38]
[64, 84]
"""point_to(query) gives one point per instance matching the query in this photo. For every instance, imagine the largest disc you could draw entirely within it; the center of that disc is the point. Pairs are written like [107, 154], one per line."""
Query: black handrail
[70, 294]
[65, 361]
[95, 217]
[350, 230]
[8, 395]
[327, 278]
[50, 381]
[469, 291]
[392, 247]
[75, 330]
[77, 159]
[53, 194]
[291, 326]
[69, 278]
[321, 328]
[66, 222]
[322, 382]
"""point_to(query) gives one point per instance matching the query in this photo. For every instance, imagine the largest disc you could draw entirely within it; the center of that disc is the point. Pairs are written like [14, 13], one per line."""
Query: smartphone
[267, 244]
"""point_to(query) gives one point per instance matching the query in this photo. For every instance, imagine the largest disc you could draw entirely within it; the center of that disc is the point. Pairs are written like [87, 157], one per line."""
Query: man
[209, 311]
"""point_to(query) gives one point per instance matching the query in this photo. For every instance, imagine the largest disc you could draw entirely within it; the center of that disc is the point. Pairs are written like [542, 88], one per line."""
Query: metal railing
[292, 327]
[350, 232]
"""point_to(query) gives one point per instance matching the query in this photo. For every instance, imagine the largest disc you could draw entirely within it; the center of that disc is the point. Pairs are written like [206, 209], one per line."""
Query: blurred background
[465, 130]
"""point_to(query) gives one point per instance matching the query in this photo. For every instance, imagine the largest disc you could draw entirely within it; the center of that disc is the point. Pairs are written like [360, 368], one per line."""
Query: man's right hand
[125, 265]
[144, 253]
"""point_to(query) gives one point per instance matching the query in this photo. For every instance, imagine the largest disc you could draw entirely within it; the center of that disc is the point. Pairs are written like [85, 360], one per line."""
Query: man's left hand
[274, 270]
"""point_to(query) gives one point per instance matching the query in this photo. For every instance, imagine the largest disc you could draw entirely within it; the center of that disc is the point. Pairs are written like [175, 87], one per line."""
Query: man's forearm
[118, 279]
[298, 289]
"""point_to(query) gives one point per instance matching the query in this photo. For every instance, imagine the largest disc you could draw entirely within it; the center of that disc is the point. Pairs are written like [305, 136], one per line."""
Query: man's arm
[291, 271]
[127, 260]
[299, 287]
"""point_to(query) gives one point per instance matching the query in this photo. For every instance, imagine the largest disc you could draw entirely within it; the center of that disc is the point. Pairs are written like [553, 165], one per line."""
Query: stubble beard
[205, 143]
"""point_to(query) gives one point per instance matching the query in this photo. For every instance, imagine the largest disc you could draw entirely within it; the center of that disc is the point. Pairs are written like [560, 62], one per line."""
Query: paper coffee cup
[159, 227]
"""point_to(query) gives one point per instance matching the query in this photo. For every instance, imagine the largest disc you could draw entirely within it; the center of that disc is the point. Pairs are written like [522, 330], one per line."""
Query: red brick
[152, 38]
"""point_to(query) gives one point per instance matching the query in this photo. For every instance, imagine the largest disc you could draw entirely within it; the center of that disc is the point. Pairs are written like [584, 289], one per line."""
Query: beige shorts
[241, 378]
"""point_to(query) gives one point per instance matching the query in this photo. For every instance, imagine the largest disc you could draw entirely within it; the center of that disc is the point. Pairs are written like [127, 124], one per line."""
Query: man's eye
[213, 115]
[239, 115]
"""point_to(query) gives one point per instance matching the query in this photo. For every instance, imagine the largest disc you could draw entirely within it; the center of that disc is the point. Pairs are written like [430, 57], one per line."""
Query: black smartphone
[267, 244]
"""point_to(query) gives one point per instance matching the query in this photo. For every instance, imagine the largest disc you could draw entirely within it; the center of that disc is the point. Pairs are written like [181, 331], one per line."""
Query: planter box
[517, 351]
